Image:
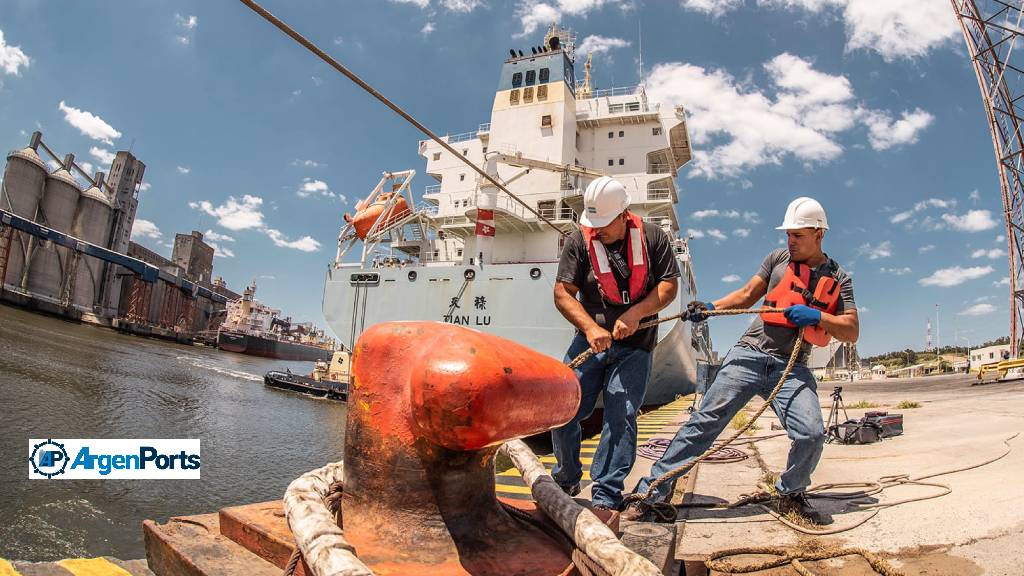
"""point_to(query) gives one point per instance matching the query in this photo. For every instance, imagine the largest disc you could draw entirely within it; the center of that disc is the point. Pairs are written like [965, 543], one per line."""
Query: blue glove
[803, 315]
[695, 310]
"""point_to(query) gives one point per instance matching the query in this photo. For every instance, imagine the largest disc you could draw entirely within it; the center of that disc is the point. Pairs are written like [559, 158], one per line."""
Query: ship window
[545, 74]
[656, 131]
[611, 162]
[633, 106]
[465, 202]
[531, 77]
[542, 92]
[616, 108]
[462, 177]
[611, 134]
[545, 121]
[513, 97]
[622, 161]
[437, 155]
[517, 79]
[465, 151]
[459, 252]
[528, 94]
[485, 150]
[622, 133]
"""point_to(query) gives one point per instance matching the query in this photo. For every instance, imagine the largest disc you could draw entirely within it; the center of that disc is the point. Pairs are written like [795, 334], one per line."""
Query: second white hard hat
[804, 212]
[604, 199]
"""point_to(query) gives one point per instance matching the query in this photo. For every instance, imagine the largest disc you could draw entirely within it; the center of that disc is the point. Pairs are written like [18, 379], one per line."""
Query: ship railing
[621, 91]
[432, 189]
[562, 213]
[429, 209]
[661, 193]
[464, 137]
[656, 168]
[484, 128]
[656, 219]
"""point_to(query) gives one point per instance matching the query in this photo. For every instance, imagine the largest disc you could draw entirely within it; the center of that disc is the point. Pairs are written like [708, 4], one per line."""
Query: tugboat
[326, 380]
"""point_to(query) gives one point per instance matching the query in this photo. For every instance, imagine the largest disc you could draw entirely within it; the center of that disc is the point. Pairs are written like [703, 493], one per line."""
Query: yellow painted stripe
[508, 489]
[7, 569]
[92, 567]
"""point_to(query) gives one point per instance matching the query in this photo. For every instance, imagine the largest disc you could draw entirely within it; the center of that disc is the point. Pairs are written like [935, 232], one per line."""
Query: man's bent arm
[656, 300]
[571, 308]
[844, 327]
[745, 297]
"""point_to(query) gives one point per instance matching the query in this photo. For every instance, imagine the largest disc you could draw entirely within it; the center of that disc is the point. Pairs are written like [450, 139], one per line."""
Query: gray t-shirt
[779, 340]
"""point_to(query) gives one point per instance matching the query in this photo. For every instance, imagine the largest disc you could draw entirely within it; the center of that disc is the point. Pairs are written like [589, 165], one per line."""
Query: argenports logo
[114, 459]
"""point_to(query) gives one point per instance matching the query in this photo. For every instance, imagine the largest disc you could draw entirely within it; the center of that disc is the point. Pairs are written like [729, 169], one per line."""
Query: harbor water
[65, 380]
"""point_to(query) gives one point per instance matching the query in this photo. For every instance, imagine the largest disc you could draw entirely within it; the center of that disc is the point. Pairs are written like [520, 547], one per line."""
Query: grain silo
[57, 211]
[91, 224]
[23, 185]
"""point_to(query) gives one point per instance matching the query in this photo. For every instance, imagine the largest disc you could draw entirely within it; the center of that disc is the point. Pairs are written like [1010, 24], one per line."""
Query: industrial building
[66, 249]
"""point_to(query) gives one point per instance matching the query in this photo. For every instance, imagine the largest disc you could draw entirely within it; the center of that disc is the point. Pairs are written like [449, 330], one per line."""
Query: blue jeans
[621, 372]
[745, 373]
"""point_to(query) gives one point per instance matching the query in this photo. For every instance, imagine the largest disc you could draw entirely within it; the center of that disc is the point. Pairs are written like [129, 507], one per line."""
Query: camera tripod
[832, 424]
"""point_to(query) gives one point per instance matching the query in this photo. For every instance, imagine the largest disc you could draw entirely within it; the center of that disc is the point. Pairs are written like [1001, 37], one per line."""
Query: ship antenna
[640, 41]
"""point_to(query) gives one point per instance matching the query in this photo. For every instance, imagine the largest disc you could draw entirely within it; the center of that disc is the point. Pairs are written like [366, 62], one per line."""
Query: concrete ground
[977, 529]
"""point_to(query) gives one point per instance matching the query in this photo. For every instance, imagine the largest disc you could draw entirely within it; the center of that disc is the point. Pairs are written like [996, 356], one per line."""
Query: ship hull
[510, 300]
[267, 348]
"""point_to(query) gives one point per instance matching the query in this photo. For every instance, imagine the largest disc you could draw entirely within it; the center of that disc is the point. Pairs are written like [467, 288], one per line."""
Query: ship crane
[991, 30]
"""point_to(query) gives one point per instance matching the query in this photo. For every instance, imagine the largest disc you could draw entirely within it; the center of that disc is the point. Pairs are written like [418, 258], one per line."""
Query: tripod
[832, 424]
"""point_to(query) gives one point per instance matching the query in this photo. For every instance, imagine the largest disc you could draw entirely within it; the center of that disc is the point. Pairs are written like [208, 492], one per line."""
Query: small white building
[878, 371]
[988, 354]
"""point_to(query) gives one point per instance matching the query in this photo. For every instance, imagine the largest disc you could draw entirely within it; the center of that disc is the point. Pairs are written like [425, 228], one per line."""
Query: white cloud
[972, 221]
[885, 133]
[741, 232]
[737, 126]
[990, 254]
[221, 251]
[752, 217]
[693, 233]
[926, 248]
[234, 214]
[87, 167]
[307, 163]
[1004, 281]
[895, 271]
[427, 29]
[977, 310]
[881, 250]
[716, 234]
[600, 44]
[420, 3]
[310, 187]
[104, 156]
[701, 214]
[955, 276]
[338, 40]
[894, 29]
[305, 244]
[217, 237]
[145, 229]
[183, 40]
[317, 81]
[462, 5]
[1001, 238]
[188, 23]
[89, 124]
[731, 278]
[184, 170]
[906, 215]
[534, 14]
[145, 186]
[974, 196]
[12, 58]
[863, 309]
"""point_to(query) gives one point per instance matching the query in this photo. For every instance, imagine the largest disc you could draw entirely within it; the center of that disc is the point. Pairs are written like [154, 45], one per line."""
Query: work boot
[571, 490]
[637, 511]
[797, 502]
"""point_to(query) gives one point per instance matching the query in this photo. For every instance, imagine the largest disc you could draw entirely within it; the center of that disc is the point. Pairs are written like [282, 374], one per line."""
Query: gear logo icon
[49, 458]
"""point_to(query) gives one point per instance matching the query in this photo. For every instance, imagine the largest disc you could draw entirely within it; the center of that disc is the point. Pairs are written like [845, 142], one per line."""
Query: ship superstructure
[251, 327]
[467, 253]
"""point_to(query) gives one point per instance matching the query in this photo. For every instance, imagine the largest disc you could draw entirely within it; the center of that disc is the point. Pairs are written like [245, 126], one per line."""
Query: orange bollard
[429, 404]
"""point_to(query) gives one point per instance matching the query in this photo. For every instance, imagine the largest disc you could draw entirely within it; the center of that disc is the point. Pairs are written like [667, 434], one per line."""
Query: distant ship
[256, 329]
[469, 254]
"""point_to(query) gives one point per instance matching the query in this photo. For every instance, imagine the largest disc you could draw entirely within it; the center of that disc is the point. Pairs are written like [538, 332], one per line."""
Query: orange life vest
[799, 287]
[636, 254]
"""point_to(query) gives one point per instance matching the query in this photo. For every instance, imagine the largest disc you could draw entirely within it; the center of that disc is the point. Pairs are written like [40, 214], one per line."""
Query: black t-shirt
[574, 268]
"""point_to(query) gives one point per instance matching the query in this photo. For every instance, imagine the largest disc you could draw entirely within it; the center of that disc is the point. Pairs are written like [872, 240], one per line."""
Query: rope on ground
[655, 449]
[792, 558]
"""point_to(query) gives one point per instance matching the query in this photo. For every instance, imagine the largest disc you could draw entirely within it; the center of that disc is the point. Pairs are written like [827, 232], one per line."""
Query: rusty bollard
[428, 407]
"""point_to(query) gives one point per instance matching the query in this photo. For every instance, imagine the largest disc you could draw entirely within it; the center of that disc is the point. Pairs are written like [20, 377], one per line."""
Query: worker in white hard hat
[817, 295]
[615, 272]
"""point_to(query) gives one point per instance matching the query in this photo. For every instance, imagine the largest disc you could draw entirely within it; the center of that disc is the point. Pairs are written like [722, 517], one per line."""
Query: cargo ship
[253, 328]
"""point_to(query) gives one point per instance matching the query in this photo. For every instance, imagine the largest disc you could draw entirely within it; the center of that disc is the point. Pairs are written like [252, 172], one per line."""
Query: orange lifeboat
[366, 215]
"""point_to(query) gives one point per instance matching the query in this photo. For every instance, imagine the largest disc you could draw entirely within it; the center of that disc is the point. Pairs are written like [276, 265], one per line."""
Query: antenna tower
[992, 29]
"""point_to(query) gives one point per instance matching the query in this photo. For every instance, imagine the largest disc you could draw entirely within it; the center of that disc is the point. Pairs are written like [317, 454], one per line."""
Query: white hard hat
[604, 199]
[804, 212]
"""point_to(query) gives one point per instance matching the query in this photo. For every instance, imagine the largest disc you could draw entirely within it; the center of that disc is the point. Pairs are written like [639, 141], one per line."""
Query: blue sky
[870, 107]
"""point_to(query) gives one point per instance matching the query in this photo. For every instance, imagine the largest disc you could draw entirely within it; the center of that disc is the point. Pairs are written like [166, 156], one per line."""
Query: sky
[870, 107]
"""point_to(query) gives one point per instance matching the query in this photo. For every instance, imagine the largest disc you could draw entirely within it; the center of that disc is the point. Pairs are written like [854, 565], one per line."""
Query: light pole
[938, 332]
[968, 340]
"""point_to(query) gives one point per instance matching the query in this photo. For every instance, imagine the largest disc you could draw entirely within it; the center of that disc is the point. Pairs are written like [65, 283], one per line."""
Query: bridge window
[622, 133]
[611, 162]
[656, 131]
[611, 134]
[545, 74]
[633, 107]
[545, 121]
[531, 77]
[517, 79]
[437, 155]
[513, 97]
[528, 94]
[542, 92]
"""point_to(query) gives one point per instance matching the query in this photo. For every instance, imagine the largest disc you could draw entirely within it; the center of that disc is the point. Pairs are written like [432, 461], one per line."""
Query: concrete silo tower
[56, 210]
[23, 185]
[92, 224]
